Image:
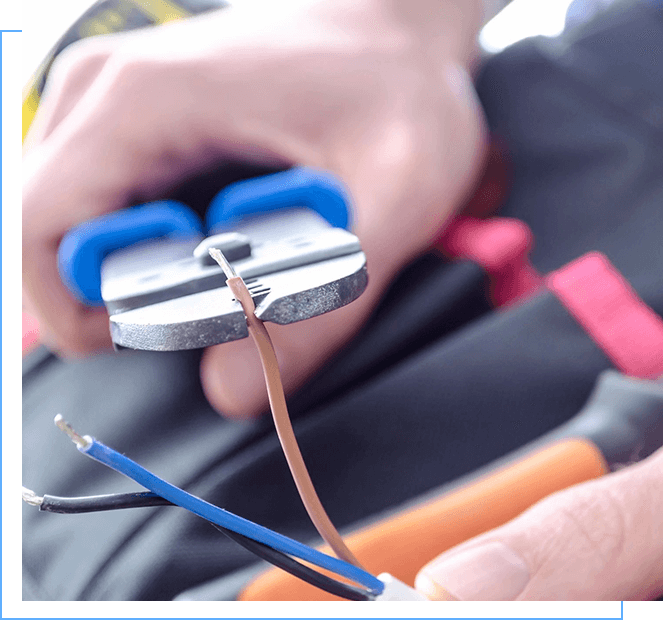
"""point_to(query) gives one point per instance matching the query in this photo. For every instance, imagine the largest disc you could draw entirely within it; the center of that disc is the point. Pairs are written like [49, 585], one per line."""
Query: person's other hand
[600, 540]
[370, 90]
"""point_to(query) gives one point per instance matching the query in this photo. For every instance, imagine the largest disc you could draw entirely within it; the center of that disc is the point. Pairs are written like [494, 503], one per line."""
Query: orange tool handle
[404, 542]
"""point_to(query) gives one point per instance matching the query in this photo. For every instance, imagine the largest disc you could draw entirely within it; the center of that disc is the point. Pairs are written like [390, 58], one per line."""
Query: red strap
[501, 246]
[606, 306]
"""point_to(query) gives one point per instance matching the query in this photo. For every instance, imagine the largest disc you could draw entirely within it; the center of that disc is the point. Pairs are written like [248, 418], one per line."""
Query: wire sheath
[283, 425]
[124, 465]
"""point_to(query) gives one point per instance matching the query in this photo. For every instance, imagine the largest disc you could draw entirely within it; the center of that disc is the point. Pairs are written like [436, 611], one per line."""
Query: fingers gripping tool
[285, 234]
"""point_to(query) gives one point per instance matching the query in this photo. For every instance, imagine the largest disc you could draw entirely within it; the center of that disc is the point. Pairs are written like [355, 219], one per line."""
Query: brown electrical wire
[277, 402]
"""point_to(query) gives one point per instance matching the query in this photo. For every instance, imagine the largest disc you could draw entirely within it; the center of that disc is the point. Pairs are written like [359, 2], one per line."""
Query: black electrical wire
[297, 569]
[100, 503]
[119, 501]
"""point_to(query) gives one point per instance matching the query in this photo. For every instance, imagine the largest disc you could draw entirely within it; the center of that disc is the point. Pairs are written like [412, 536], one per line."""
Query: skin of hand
[374, 91]
[600, 540]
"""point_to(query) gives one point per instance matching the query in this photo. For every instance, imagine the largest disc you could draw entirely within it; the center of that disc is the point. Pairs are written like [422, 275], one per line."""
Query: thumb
[600, 540]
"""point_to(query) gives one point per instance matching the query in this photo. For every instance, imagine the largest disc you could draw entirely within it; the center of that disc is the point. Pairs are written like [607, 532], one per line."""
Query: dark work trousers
[436, 385]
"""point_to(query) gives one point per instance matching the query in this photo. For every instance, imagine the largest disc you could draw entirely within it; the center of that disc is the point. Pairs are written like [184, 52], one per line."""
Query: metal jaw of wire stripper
[169, 295]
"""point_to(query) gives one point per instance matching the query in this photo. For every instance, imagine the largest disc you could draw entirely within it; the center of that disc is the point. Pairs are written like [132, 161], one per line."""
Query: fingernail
[432, 590]
[490, 572]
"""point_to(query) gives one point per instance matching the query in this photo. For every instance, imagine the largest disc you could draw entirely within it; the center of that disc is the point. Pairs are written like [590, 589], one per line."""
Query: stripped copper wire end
[30, 497]
[65, 427]
[218, 256]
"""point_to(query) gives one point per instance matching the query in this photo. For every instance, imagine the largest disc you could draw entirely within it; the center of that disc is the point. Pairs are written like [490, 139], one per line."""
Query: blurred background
[45, 21]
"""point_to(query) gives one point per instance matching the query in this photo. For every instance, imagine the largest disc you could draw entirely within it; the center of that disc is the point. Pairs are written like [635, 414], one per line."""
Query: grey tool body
[623, 417]
[167, 295]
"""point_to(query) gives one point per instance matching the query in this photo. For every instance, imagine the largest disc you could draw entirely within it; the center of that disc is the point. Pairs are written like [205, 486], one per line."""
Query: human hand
[600, 540]
[375, 94]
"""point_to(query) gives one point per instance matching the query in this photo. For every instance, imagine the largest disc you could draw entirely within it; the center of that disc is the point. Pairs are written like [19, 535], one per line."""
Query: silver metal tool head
[171, 295]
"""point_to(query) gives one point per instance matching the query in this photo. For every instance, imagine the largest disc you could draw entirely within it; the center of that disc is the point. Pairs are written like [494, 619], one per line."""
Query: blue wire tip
[65, 427]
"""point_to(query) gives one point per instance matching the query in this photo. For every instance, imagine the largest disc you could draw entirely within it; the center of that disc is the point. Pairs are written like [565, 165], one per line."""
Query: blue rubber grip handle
[315, 189]
[84, 247]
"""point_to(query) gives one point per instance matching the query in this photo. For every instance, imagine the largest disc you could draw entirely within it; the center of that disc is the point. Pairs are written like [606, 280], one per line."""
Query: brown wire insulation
[284, 430]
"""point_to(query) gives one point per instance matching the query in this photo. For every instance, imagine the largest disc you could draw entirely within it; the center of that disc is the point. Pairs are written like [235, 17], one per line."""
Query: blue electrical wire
[120, 463]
